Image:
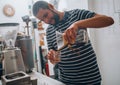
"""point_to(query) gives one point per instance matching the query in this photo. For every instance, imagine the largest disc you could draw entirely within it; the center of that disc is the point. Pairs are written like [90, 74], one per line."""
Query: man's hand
[70, 34]
[53, 56]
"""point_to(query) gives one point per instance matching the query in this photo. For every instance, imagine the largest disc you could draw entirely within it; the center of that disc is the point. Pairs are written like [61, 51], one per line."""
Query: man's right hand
[69, 35]
[52, 56]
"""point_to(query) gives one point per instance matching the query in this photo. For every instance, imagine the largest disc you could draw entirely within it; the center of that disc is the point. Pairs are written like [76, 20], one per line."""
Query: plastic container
[8, 32]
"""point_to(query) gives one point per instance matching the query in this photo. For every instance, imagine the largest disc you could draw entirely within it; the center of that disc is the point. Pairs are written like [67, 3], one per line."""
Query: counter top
[43, 79]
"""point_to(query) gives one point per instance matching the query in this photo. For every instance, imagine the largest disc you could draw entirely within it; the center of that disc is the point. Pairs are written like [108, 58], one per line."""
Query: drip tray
[17, 78]
[14, 76]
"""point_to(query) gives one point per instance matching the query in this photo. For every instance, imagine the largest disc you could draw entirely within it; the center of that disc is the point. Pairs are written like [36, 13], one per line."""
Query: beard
[55, 17]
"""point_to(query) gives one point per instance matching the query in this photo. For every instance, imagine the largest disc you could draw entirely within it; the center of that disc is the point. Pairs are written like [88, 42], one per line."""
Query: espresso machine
[12, 61]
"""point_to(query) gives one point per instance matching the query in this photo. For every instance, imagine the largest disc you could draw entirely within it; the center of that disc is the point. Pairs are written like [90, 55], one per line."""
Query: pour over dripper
[8, 31]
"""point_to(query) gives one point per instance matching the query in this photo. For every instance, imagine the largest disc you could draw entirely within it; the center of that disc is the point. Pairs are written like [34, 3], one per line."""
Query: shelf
[44, 47]
[41, 31]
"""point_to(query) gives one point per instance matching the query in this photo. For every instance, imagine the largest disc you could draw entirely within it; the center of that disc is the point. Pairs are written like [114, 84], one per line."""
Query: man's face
[48, 16]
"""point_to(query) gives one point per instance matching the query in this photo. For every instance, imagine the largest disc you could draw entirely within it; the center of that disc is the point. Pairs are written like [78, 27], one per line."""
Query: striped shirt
[78, 66]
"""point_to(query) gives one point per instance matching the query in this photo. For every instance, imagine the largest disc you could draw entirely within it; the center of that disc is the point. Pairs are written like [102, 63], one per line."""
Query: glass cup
[57, 55]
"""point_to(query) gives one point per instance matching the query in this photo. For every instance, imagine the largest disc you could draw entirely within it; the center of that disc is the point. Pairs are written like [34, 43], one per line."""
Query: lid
[8, 24]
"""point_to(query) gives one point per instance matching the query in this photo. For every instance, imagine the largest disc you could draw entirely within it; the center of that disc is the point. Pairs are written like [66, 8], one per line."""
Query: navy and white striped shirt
[75, 69]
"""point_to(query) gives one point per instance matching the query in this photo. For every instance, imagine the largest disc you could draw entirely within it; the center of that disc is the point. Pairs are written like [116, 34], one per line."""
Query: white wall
[73, 4]
[107, 42]
[21, 9]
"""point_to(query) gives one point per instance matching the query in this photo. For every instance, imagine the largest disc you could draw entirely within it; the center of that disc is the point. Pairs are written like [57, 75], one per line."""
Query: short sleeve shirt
[78, 66]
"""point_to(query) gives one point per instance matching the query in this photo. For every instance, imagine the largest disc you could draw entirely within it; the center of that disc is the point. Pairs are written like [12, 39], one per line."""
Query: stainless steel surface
[17, 78]
[25, 44]
[12, 61]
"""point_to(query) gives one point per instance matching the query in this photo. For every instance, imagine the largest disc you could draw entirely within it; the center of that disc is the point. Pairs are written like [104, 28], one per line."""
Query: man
[78, 66]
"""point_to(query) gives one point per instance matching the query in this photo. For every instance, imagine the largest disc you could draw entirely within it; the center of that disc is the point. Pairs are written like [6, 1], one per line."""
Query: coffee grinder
[12, 61]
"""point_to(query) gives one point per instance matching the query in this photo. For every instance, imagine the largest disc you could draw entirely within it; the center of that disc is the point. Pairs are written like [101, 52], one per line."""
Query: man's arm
[98, 21]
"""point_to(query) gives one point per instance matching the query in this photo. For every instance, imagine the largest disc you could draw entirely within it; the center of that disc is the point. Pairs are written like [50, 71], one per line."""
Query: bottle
[82, 37]
[59, 38]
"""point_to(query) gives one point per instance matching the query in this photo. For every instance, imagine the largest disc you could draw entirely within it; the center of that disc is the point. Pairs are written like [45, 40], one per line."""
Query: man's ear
[50, 6]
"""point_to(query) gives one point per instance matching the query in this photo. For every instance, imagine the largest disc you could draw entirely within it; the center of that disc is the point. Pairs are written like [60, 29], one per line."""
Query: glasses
[57, 55]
